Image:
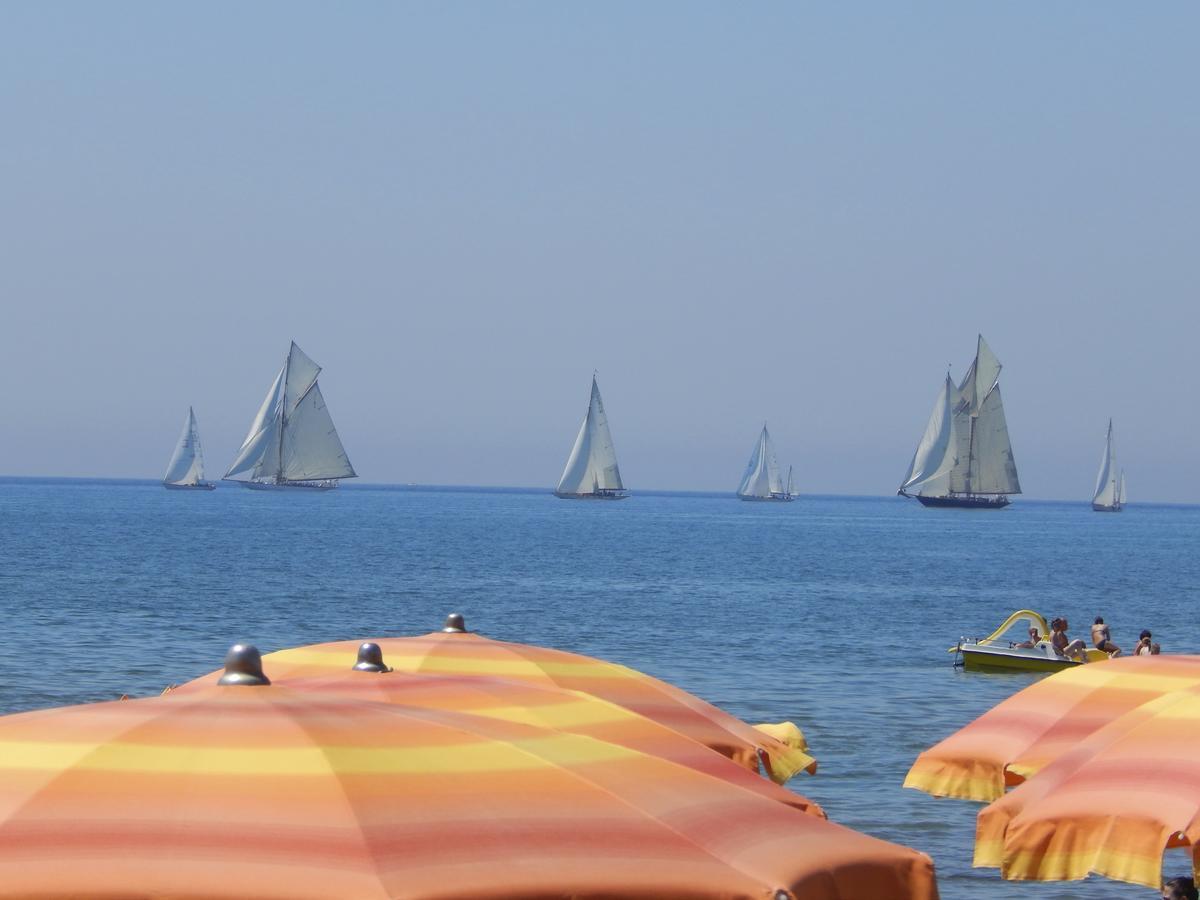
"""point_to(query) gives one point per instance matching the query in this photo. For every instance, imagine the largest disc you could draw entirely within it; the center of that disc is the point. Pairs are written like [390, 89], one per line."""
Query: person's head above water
[1179, 889]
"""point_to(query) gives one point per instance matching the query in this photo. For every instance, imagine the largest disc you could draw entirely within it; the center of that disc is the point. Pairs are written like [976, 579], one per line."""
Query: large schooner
[185, 471]
[292, 442]
[1110, 488]
[761, 480]
[592, 472]
[965, 458]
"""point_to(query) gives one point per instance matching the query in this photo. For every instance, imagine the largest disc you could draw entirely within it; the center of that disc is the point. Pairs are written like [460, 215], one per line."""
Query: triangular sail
[292, 438]
[312, 450]
[592, 465]
[187, 463]
[1124, 499]
[935, 454]
[994, 470]
[761, 478]
[1108, 492]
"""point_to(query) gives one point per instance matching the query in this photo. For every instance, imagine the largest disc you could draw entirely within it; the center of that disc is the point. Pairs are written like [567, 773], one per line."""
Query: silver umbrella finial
[243, 665]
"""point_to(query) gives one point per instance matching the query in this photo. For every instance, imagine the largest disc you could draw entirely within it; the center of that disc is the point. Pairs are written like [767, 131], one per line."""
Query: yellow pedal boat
[1000, 650]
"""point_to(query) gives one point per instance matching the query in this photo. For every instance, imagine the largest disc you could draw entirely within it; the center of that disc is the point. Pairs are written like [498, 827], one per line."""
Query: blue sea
[833, 612]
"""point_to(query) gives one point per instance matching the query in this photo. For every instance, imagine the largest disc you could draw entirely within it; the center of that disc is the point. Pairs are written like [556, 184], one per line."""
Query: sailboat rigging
[292, 442]
[965, 457]
[591, 472]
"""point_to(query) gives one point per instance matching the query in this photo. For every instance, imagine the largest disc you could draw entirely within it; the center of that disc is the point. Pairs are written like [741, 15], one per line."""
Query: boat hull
[1097, 507]
[201, 486]
[1012, 660]
[308, 486]
[599, 495]
[964, 502]
[788, 499]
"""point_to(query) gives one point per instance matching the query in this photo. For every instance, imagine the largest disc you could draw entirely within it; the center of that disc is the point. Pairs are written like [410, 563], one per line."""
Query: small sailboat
[292, 443]
[761, 480]
[965, 458]
[185, 471]
[591, 472]
[1110, 487]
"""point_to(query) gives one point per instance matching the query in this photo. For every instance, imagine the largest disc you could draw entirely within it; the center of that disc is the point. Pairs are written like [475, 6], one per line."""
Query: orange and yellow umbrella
[531, 704]
[466, 654]
[268, 792]
[1017, 738]
[1109, 806]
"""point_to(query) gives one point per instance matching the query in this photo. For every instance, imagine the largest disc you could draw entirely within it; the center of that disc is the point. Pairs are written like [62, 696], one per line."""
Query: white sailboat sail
[1108, 488]
[761, 478]
[966, 452]
[187, 463]
[1122, 495]
[592, 466]
[935, 454]
[992, 469]
[292, 439]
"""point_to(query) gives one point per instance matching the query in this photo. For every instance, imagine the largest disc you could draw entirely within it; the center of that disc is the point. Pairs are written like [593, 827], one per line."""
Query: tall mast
[287, 364]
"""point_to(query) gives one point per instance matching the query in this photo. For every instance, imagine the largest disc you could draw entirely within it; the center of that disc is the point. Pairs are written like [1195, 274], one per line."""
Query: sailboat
[761, 480]
[965, 458]
[591, 472]
[185, 471]
[1110, 488]
[292, 443]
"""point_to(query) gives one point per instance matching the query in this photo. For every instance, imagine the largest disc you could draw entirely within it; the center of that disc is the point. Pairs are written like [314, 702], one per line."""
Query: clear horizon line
[358, 484]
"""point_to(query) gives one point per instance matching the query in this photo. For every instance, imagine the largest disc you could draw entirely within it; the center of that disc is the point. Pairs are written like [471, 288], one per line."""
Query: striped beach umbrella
[1020, 736]
[555, 708]
[455, 651]
[1110, 806]
[268, 792]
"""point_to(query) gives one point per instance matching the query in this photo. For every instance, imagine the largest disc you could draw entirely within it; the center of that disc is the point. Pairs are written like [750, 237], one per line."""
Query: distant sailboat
[965, 458]
[761, 480]
[292, 442]
[185, 471]
[592, 472]
[1110, 488]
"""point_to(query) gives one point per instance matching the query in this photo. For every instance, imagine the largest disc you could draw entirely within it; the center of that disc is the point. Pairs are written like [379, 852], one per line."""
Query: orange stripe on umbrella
[1020, 736]
[461, 653]
[271, 792]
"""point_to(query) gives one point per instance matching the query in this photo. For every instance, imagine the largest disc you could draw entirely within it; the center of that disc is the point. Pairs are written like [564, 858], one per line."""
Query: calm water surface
[832, 612]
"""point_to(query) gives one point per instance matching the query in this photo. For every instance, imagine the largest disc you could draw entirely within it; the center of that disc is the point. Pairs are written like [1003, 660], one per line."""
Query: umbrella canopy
[1019, 737]
[457, 652]
[543, 706]
[1111, 805]
[269, 792]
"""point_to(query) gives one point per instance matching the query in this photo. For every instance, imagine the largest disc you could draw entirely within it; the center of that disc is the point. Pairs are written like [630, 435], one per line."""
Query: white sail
[292, 438]
[993, 470]
[592, 465]
[187, 463]
[761, 478]
[935, 454]
[1108, 492]
[983, 462]
[311, 449]
[1121, 495]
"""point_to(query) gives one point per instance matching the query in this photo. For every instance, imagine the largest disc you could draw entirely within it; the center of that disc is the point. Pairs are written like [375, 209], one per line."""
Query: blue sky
[799, 213]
